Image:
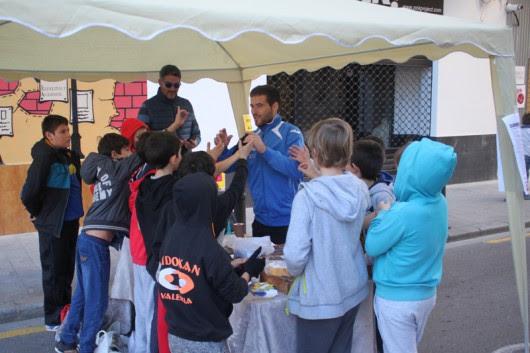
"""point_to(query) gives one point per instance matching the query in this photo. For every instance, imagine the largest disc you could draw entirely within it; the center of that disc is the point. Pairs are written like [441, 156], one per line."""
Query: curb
[482, 232]
[21, 312]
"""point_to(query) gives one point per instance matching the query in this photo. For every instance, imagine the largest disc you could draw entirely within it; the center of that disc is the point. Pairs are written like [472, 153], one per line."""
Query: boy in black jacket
[197, 281]
[52, 196]
[107, 221]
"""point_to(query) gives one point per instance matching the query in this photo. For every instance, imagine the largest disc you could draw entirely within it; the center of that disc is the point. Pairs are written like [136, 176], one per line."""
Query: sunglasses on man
[169, 85]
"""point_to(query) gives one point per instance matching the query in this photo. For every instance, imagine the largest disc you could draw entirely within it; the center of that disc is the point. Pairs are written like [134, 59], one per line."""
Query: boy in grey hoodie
[323, 249]
[107, 221]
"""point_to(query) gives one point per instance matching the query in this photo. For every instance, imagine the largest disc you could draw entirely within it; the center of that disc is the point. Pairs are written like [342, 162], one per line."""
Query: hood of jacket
[194, 199]
[129, 129]
[43, 148]
[152, 192]
[340, 196]
[424, 169]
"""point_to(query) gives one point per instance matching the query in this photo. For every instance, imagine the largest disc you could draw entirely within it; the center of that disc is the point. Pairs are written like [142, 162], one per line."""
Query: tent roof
[235, 41]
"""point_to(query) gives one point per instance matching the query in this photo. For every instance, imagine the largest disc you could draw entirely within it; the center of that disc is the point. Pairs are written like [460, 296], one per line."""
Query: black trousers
[326, 336]
[57, 258]
[277, 234]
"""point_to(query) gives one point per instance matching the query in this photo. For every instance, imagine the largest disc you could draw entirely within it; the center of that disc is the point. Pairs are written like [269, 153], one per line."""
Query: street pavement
[475, 209]
[477, 309]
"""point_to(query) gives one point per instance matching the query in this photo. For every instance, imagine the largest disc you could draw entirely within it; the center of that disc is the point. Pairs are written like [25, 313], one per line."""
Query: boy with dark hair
[161, 152]
[52, 196]
[367, 161]
[107, 221]
[168, 111]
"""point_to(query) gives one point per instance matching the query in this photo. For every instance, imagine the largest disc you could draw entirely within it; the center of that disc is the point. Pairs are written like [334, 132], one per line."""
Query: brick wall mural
[21, 113]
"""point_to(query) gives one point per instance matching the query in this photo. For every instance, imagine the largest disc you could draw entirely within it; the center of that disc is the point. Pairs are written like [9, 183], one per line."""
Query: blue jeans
[91, 295]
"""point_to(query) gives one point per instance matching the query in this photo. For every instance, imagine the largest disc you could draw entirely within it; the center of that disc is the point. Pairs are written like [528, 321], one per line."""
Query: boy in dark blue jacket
[52, 196]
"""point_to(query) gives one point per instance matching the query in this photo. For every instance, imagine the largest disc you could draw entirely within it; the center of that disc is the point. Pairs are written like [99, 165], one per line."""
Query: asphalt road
[477, 309]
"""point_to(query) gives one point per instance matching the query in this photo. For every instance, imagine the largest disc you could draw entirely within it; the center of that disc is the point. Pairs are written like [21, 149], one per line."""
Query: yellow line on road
[502, 240]
[21, 332]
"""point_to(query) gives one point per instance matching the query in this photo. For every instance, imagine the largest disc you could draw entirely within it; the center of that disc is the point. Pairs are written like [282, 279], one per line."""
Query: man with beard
[273, 176]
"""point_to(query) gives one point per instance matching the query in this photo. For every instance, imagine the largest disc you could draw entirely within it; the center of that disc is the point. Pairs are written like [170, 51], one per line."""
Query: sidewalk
[475, 209]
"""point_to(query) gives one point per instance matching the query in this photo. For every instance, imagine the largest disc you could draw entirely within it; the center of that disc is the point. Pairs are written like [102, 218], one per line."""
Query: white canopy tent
[238, 40]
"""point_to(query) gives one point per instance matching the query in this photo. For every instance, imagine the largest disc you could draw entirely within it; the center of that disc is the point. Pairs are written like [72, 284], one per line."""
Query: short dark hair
[158, 148]
[112, 142]
[194, 162]
[368, 156]
[272, 94]
[51, 122]
[526, 119]
[374, 138]
[170, 70]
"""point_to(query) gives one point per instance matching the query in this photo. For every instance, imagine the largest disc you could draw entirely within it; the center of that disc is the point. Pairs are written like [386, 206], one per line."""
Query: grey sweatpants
[326, 336]
[181, 345]
[401, 323]
[144, 304]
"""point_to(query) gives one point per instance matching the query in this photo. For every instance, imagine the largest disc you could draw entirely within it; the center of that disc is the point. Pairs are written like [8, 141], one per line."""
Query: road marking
[21, 332]
[502, 240]
[511, 349]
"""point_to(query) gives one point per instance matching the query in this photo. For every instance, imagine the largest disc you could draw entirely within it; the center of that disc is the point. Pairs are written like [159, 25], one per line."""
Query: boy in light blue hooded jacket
[407, 241]
[323, 248]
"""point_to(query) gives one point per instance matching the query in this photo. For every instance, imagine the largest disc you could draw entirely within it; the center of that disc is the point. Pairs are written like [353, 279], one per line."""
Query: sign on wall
[6, 121]
[53, 91]
[85, 109]
[430, 6]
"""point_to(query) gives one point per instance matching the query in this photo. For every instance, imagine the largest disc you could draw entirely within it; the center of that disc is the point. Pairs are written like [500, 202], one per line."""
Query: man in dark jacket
[52, 196]
[169, 112]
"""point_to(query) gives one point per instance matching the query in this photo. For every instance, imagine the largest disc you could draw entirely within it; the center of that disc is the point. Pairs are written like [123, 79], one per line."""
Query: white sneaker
[52, 328]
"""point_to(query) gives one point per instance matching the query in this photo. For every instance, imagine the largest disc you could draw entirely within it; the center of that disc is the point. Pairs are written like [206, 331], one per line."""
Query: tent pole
[239, 97]
[76, 137]
[503, 84]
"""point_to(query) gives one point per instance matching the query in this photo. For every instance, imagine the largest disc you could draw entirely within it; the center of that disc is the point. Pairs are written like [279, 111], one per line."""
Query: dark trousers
[326, 336]
[277, 234]
[91, 295]
[57, 258]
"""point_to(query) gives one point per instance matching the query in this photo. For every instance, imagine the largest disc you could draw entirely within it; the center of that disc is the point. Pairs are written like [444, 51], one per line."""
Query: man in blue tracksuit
[273, 176]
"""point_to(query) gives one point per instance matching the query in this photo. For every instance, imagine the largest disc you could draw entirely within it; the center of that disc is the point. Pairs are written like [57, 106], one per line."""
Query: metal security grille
[391, 101]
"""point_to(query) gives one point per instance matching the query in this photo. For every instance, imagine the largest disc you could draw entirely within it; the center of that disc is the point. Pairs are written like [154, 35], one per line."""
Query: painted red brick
[132, 113]
[123, 101]
[137, 101]
[119, 89]
[7, 87]
[29, 105]
[32, 95]
[44, 106]
[144, 88]
[133, 89]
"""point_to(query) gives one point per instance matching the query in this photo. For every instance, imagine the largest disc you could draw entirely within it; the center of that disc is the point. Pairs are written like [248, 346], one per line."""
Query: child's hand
[368, 219]
[244, 150]
[309, 170]
[384, 205]
[299, 154]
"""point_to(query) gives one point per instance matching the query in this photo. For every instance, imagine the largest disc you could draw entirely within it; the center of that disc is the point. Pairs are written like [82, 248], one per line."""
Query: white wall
[462, 94]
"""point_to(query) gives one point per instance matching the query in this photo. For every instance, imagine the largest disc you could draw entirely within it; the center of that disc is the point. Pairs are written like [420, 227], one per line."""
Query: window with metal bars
[388, 100]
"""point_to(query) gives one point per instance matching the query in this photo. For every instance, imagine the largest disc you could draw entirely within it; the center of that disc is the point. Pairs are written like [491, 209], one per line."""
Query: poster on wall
[6, 121]
[85, 108]
[53, 91]
[513, 125]
[430, 6]
[521, 96]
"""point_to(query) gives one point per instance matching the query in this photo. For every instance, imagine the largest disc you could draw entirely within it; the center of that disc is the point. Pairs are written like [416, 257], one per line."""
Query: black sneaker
[61, 347]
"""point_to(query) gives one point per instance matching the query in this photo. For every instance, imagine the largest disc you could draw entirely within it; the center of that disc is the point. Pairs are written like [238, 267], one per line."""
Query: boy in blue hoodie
[323, 249]
[407, 241]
